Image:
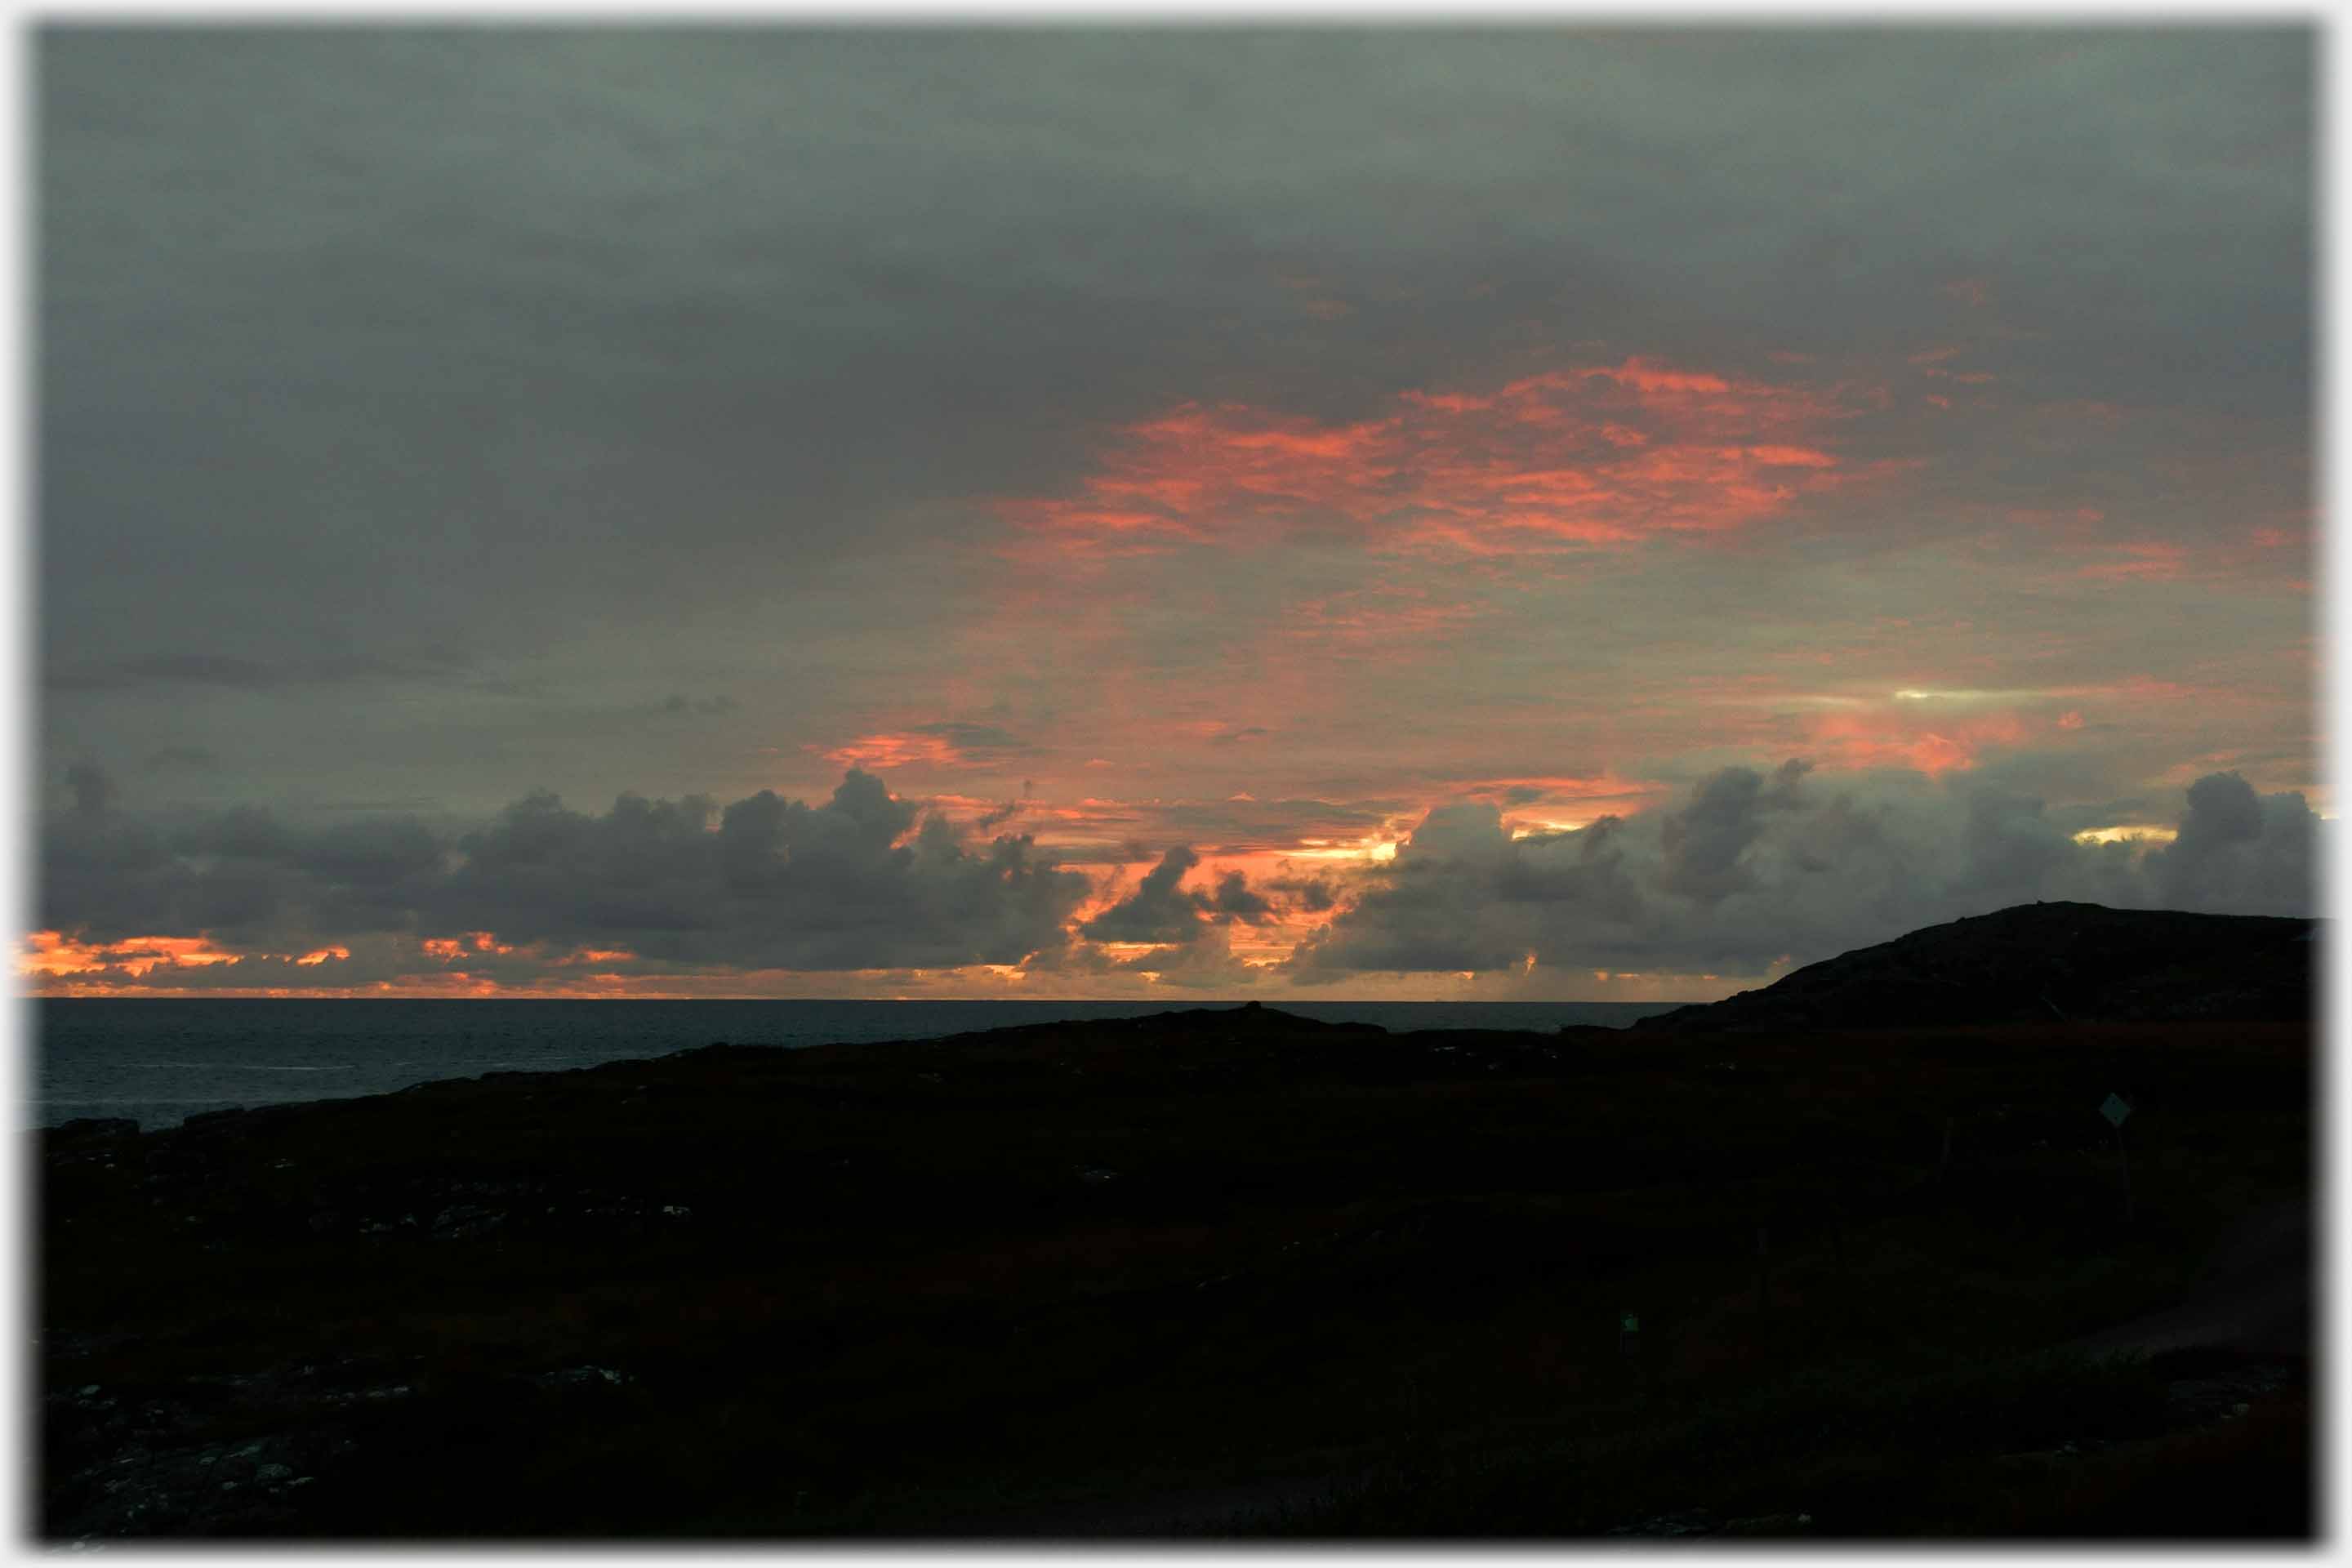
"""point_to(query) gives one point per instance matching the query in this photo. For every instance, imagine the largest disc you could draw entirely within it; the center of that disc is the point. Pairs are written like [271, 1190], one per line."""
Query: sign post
[2115, 1108]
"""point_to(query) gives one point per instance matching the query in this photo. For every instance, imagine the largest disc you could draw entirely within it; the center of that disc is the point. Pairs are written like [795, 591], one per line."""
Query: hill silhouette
[2040, 962]
[1247, 1273]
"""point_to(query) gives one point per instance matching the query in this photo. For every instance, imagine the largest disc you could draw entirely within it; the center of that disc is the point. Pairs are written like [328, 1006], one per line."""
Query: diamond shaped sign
[2115, 1110]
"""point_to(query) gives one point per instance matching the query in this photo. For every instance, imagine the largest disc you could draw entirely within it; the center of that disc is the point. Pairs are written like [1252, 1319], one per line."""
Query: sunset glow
[977, 523]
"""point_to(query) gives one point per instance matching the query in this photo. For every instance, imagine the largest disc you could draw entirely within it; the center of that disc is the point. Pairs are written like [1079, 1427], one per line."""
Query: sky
[1548, 512]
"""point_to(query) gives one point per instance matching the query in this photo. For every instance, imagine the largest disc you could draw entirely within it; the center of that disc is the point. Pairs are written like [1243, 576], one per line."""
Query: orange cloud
[1588, 796]
[2149, 563]
[449, 950]
[877, 751]
[49, 952]
[1590, 455]
[1881, 738]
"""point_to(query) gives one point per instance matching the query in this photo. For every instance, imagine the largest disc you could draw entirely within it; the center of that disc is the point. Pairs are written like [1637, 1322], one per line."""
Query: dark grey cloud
[1234, 898]
[1704, 841]
[861, 881]
[1160, 910]
[1753, 868]
[853, 883]
[1313, 894]
[242, 877]
[2238, 849]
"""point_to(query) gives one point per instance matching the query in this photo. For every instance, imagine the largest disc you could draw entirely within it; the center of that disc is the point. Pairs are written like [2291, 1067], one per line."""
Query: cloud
[1584, 455]
[2238, 851]
[947, 743]
[1313, 894]
[242, 877]
[861, 881]
[1240, 825]
[1753, 869]
[850, 884]
[1704, 842]
[1158, 910]
[1233, 898]
[1162, 910]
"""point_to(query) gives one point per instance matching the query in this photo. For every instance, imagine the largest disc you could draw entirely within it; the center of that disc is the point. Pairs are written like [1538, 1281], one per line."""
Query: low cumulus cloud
[1162, 910]
[1752, 867]
[1746, 869]
[863, 881]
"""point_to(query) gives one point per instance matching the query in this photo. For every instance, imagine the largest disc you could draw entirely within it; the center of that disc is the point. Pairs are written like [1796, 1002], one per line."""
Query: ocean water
[159, 1060]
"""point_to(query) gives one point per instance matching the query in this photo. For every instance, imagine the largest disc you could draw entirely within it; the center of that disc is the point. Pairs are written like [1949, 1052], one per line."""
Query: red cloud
[1879, 739]
[872, 751]
[2151, 562]
[1589, 455]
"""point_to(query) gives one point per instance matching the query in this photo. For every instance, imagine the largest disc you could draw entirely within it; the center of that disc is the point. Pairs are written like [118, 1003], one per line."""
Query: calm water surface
[159, 1060]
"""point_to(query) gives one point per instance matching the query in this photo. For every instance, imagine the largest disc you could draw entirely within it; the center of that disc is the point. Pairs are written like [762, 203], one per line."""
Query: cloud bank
[1747, 871]
[1753, 870]
[764, 883]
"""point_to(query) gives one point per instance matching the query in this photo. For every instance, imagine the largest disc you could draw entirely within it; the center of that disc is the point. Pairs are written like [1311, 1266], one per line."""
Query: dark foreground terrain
[1218, 1272]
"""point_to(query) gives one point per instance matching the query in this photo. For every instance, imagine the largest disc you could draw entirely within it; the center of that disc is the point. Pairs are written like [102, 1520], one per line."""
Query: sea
[159, 1060]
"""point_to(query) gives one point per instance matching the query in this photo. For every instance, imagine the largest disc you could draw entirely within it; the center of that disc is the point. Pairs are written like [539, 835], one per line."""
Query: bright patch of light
[2128, 833]
[1323, 849]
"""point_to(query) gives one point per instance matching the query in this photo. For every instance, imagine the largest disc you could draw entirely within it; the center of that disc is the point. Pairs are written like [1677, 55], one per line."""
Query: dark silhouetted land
[1233, 1272]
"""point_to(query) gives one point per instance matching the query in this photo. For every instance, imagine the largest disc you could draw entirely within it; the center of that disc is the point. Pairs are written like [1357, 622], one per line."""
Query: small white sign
[2115, 1110]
